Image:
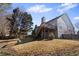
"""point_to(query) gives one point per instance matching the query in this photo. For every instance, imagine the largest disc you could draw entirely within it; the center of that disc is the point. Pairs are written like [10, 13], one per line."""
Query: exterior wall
[7, 29]
[61, 27]
[53, 23]
[64, 26]
[52, 33]
[68, 23]
[4, 28]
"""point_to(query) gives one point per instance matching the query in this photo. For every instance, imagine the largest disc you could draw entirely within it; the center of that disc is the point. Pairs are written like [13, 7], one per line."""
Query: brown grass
[8, 43]
[52, 47]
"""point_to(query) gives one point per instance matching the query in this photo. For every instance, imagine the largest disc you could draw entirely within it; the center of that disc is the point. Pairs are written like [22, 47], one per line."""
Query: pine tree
[20, 22]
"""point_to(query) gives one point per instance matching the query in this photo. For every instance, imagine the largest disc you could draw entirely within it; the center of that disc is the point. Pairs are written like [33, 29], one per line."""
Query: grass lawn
[56, 47]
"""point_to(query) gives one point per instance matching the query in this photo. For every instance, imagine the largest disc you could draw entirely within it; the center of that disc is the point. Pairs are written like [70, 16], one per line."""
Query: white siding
[68, 23]
[64, 26]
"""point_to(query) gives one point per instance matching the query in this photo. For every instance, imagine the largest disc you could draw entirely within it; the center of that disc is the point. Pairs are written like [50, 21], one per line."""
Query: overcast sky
[50, 11]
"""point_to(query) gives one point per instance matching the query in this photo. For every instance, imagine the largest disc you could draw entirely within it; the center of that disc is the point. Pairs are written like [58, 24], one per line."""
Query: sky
[50, 11]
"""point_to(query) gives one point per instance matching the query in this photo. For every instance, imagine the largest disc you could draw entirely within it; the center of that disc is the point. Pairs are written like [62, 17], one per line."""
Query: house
[4, 26]
[54, 28]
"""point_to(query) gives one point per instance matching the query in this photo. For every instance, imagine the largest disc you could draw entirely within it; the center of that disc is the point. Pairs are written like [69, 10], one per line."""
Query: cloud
[65, 4]
[76, 18]
[65, 7]
[39, 9]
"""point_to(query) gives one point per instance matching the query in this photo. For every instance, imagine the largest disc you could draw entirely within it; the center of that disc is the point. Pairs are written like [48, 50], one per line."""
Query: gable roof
[49, 23]
[53, 19]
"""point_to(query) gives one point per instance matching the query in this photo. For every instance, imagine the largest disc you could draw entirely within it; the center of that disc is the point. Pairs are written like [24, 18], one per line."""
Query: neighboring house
[4, 26]
[54, 28]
